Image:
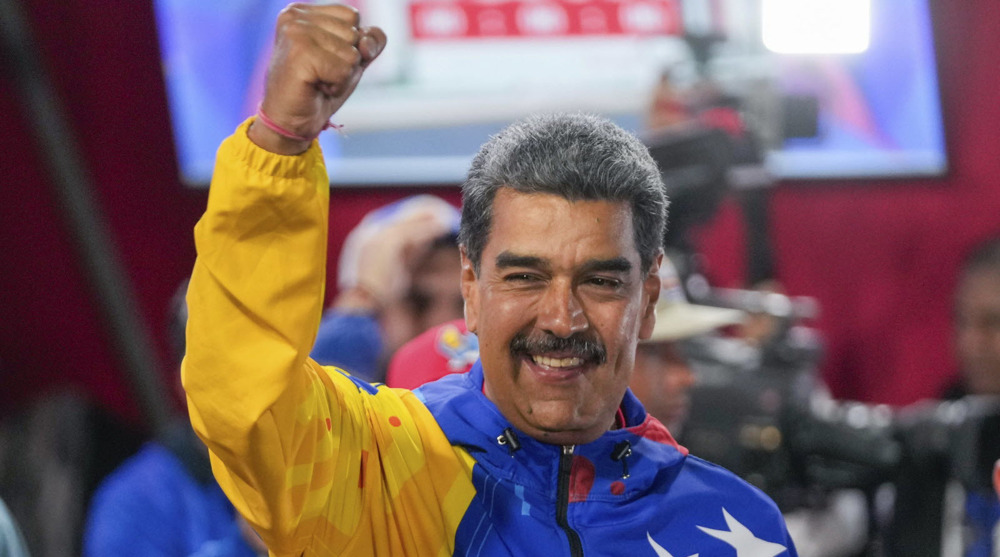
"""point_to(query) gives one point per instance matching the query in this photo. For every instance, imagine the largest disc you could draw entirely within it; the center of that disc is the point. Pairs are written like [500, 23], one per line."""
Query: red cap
[447, 348]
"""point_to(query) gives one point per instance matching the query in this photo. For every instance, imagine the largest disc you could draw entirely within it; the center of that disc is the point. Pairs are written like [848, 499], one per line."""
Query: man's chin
[565, 437]
[560, 430]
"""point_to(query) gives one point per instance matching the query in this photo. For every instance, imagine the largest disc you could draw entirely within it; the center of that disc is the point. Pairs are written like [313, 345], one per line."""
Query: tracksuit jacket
[322, 463]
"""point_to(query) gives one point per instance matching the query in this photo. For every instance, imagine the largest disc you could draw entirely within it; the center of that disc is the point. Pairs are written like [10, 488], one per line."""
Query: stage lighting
[816, 26]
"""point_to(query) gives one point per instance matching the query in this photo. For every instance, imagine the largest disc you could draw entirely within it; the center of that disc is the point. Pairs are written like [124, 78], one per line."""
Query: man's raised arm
[256, 292]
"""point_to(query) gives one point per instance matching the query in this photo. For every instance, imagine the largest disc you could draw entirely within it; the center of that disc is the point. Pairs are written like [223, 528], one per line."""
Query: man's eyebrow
[507, 260]
[613, 265]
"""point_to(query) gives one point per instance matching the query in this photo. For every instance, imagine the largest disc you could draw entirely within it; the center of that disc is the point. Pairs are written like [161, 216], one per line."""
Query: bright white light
[816, 26]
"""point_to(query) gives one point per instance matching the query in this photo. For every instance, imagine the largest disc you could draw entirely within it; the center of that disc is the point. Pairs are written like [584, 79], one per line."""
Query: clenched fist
[320, 53]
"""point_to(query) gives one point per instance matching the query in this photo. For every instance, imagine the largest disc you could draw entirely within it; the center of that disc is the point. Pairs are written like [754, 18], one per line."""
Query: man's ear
[470, 292]
[651, 295]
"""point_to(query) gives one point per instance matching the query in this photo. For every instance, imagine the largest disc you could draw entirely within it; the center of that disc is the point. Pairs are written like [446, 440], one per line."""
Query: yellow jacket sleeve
[317, 462]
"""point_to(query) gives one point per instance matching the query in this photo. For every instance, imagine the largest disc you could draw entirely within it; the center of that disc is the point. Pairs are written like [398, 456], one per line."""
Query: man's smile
[555, 369]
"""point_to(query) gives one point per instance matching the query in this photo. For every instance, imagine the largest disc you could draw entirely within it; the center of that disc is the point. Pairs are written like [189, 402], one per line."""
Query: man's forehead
[507, 196]
[525, 211]
[597, 234]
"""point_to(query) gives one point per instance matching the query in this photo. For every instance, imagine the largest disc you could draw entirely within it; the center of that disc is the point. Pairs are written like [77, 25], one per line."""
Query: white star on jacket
[739, 536]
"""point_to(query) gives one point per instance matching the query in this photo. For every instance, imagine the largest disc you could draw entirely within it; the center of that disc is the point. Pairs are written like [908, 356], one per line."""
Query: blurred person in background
[663, 375]
[163, 501]
[398, 275]
[439, 351]
[977, 323]
[942, 502]
[977, 350]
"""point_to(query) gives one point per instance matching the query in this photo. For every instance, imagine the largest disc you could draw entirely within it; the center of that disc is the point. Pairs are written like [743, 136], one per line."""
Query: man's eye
[519, 277]
[604, 282]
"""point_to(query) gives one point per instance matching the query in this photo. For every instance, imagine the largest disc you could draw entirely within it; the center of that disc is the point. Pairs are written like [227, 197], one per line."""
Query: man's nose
[561, 312]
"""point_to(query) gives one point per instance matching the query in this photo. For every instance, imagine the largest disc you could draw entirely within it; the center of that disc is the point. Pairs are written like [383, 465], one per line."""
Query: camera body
[762, 413]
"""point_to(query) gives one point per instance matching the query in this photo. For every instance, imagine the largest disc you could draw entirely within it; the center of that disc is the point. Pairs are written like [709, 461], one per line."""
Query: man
[539, 449]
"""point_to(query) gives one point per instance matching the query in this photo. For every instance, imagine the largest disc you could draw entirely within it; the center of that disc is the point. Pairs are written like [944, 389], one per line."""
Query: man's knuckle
[350, 14]
[297, 8]
[298, 38]
[353, 35]
[293, 12]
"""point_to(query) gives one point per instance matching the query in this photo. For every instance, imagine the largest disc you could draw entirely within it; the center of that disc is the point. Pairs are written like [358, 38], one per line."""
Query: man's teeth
[557, 362]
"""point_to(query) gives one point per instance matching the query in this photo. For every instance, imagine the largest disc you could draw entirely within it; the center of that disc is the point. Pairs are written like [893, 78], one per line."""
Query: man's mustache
[577, 345]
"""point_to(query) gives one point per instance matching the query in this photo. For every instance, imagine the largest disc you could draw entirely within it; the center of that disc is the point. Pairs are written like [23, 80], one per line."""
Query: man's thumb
[371, 44]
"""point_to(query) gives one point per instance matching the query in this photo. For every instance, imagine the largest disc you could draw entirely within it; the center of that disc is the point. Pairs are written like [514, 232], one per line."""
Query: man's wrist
[271, 141]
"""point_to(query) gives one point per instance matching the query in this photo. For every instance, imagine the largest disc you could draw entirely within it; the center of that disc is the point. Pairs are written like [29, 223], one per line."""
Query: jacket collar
[473, 422]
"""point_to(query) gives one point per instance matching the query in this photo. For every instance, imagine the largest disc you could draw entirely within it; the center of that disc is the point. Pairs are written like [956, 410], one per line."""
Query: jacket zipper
[562, 501]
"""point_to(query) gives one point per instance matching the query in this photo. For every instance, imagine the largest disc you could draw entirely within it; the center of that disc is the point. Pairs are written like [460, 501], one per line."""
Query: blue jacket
[541, 499]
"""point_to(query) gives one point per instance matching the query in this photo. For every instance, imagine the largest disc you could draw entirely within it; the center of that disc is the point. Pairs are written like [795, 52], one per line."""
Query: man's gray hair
[575, 156]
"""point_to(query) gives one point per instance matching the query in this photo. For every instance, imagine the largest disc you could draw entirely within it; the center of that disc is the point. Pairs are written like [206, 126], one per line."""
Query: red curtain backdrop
[879, 255]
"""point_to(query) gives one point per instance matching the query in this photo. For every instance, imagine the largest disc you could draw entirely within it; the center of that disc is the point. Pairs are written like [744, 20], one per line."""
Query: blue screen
[447, 81]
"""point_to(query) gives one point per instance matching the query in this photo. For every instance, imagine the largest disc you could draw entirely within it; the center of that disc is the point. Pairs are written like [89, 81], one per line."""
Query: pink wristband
[276, 128]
